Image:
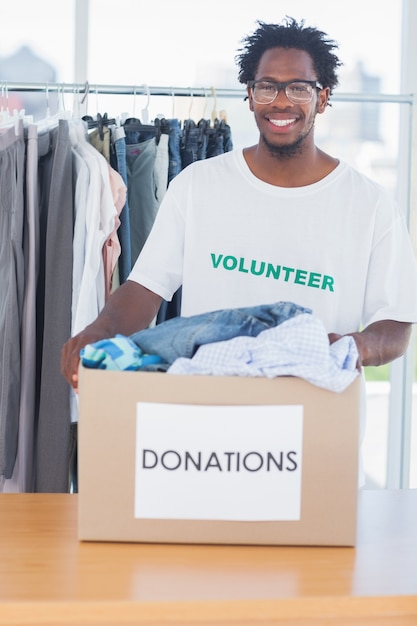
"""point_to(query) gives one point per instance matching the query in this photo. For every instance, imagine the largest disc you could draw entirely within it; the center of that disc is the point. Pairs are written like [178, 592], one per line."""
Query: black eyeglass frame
[283, 87]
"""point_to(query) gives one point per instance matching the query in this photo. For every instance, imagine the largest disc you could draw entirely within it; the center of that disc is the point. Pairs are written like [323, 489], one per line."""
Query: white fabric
[95, 216]
[95, 221]
[297, 347]
[340, 246]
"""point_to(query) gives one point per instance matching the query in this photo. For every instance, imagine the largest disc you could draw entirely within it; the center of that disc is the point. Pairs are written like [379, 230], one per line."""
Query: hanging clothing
[66, 186]
[118, 162]
[174, 134]
[147, 173]
[22, 479]
[12, 289]
[193, 142]
[100, 195]
[112, 247]
[94, 226]
[100, 140]
[54, 307]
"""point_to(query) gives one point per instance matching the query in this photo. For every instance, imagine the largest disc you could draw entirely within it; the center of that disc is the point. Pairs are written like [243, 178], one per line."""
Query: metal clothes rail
[84, 89]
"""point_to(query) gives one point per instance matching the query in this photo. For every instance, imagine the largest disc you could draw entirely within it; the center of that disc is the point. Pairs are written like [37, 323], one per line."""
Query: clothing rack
[84, 89]
[133, 90]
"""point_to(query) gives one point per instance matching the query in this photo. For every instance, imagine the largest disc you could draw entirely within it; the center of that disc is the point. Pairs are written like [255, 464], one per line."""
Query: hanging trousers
[23, 473]
[11, 289]
[54, 308]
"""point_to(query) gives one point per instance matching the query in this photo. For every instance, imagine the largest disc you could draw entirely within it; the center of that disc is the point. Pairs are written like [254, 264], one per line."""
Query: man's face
[285, 127]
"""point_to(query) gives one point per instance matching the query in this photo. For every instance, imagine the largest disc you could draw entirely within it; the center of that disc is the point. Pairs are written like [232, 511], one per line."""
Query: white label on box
[241, 463]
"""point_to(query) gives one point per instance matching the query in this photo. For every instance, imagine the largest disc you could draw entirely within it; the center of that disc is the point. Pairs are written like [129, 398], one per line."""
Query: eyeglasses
[297, 91]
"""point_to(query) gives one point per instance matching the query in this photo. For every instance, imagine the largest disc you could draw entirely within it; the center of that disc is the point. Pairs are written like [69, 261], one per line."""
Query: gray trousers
[54, 293]
[11, 291]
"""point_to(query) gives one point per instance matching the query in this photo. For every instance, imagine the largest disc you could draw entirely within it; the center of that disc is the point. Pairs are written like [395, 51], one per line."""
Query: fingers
[333, 337]
[70, 360]
[74, 382]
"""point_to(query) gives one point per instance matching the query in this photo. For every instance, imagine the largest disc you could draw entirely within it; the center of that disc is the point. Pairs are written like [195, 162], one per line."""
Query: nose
[282, 98]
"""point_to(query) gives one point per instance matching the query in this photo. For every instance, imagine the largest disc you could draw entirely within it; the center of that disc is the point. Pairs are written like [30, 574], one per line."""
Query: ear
[323, 99]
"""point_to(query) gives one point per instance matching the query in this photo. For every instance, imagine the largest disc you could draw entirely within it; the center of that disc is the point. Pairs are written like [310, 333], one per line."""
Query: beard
[287, 151]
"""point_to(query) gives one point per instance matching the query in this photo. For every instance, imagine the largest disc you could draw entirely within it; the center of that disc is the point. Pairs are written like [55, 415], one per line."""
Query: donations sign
[240, 463]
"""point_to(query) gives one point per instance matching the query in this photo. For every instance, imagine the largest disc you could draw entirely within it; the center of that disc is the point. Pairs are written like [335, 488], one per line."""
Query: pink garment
[112, 248]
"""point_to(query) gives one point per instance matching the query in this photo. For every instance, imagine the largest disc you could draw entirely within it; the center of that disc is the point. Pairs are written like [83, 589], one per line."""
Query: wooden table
[48, 577]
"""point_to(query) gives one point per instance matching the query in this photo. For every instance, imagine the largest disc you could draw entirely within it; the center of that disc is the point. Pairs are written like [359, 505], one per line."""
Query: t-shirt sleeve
[159, 266]
[391, 291]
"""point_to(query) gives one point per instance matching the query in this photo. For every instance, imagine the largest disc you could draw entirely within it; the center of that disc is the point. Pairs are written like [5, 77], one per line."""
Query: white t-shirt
[339, 246]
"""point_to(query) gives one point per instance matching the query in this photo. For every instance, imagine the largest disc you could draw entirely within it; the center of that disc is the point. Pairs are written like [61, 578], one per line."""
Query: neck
[289, 167]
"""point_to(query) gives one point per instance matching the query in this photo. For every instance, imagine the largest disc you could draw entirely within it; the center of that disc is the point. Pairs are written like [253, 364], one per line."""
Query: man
[280, 220]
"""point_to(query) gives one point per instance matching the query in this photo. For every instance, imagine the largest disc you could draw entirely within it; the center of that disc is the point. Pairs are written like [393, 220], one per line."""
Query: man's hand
[70, 353]
[130, 308]
[380, 342]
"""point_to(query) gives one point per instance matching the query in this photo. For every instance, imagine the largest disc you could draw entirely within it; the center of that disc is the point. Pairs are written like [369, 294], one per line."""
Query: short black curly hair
[289, 34]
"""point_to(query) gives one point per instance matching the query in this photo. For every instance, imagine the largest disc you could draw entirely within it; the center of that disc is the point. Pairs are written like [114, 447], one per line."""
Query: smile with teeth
[282, 122]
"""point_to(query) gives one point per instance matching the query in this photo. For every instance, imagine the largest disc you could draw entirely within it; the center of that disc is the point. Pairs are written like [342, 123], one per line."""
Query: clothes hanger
[63, 111]
[191, 103]
[99, 122]
[5, 118]
[205, 104]
[223, 116]
[145, 111]
[214, 109]
[134, 124]
[173, 103]
[49, 121]
[143, 126]
[219, 120]
[8, 119]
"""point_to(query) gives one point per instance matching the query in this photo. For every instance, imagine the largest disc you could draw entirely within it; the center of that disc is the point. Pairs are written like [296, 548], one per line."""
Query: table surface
[47, 576]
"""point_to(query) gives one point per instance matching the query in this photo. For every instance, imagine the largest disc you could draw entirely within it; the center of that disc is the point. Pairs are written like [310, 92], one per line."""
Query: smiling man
[277, 221]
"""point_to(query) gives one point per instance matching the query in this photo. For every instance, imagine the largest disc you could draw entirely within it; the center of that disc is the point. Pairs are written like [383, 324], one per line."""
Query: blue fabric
[193, 145]
[174, 138]
[182, 336]
[117, 353]
[227, 137]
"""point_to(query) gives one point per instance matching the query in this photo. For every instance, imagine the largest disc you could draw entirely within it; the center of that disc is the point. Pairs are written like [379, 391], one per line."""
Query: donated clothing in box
[216, 460]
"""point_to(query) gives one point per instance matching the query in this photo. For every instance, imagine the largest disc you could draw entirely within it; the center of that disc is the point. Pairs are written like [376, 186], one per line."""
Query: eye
[301, 88]
[265, 87]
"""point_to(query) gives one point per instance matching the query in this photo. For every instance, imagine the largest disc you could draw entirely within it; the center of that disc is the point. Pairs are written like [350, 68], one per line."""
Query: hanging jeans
[182, 336]
[227, 137]
[172, 308]
[140, 163]
[215, 144]
[12, 151]
[193, 145]
[219, 139]
[174, 134]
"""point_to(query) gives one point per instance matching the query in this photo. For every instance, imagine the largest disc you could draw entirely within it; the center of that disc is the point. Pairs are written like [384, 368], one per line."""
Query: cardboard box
[108, 458]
